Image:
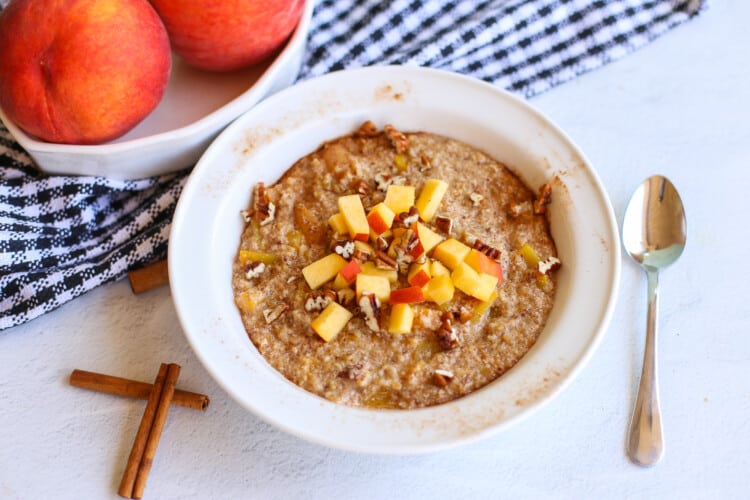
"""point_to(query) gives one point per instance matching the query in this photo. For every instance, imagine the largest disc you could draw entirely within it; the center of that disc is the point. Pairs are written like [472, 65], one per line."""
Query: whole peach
[81, 71]
[220, 35]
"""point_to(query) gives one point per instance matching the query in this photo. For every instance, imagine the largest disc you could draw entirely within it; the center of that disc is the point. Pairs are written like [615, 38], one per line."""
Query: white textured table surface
[679, 107]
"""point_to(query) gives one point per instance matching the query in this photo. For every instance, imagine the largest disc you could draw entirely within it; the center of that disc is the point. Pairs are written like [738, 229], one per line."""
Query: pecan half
[398, 139]
[491, 252]
[369, 306]
[544, 199]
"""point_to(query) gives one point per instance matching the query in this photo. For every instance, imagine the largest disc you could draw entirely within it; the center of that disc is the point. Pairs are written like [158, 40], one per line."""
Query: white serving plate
[196, 106]
[264, 142]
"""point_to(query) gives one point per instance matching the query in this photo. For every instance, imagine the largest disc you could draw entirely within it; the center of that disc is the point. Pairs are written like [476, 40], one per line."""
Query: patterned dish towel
[61, 236]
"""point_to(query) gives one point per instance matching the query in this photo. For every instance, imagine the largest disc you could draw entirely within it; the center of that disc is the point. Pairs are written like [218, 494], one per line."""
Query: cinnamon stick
[139, 445]
[173, 372]
[149, 277]
[119, 386]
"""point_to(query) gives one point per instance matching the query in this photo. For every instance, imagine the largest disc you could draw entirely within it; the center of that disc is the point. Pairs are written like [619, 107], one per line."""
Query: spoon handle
[645, 444]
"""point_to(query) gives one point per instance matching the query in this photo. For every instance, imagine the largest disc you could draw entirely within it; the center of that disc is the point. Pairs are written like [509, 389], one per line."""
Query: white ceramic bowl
[264, 142]
[196, 106]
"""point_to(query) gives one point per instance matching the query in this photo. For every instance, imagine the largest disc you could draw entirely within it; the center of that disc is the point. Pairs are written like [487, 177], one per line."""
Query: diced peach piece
[483, 307]
[410, 295]
[339, 282]
[428, 237]
[529, 255]
[337, 223]
[350, 271]
[438, 269]
[419, 274]
[323, 270]
[247, 256]
[451, 252]
[372, 270]
[430, 198]
[364, 247]
[399, 198]
[246, 302]
[483, 264]
[439, 289]
[377, 285]
[401, 320]
[472, 283]
[331, 321]
[380, 218]
[351, 209]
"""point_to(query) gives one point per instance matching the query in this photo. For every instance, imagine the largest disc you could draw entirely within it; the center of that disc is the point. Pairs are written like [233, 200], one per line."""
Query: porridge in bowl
[395, 270]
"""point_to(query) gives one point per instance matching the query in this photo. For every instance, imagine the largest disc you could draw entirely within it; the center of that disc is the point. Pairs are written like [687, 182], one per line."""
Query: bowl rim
[223, 115]
[430, 438]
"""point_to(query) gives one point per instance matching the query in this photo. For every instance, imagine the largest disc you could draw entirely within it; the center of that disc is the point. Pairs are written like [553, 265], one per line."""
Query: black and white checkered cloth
[61, 236]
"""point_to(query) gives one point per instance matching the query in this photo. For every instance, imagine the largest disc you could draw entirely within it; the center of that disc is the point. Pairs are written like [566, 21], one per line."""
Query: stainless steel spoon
[653, 233]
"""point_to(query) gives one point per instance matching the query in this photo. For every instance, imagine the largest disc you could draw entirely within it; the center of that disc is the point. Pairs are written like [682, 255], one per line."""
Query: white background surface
[678, 107]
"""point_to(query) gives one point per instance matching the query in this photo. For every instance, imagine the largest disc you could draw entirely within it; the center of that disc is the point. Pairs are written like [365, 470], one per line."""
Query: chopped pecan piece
[544, 199]
[360, 256]
[254, 269]
[491, 252]
[442, 377]
[443, 224]
[361, 188]
[476, 198]
[367, 129]
[318, 301]
[263, 208]
[384, 261]
[425, 162]
[381, 244]
[446, 334]
[549, 265]
[382, 181]
[398, 139]
[344, 248]
[369, 306]
[247, 215]
[518, 208]
[409, 218]
[345, 296]
[272, 315]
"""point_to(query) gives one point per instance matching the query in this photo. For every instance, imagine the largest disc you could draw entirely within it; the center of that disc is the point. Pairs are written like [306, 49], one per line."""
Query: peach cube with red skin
[350, 271]
[401, 320]
[353, 212]
[419, 274]
[399, 198]
[380, 218]
[331, 321]
[472, 283]
[429, 238]
[481, 263]
[323, 270]
[409, 295]
[430, 198]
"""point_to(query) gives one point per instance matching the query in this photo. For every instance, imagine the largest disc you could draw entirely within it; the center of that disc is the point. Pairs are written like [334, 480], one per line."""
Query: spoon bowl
[654, 232]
